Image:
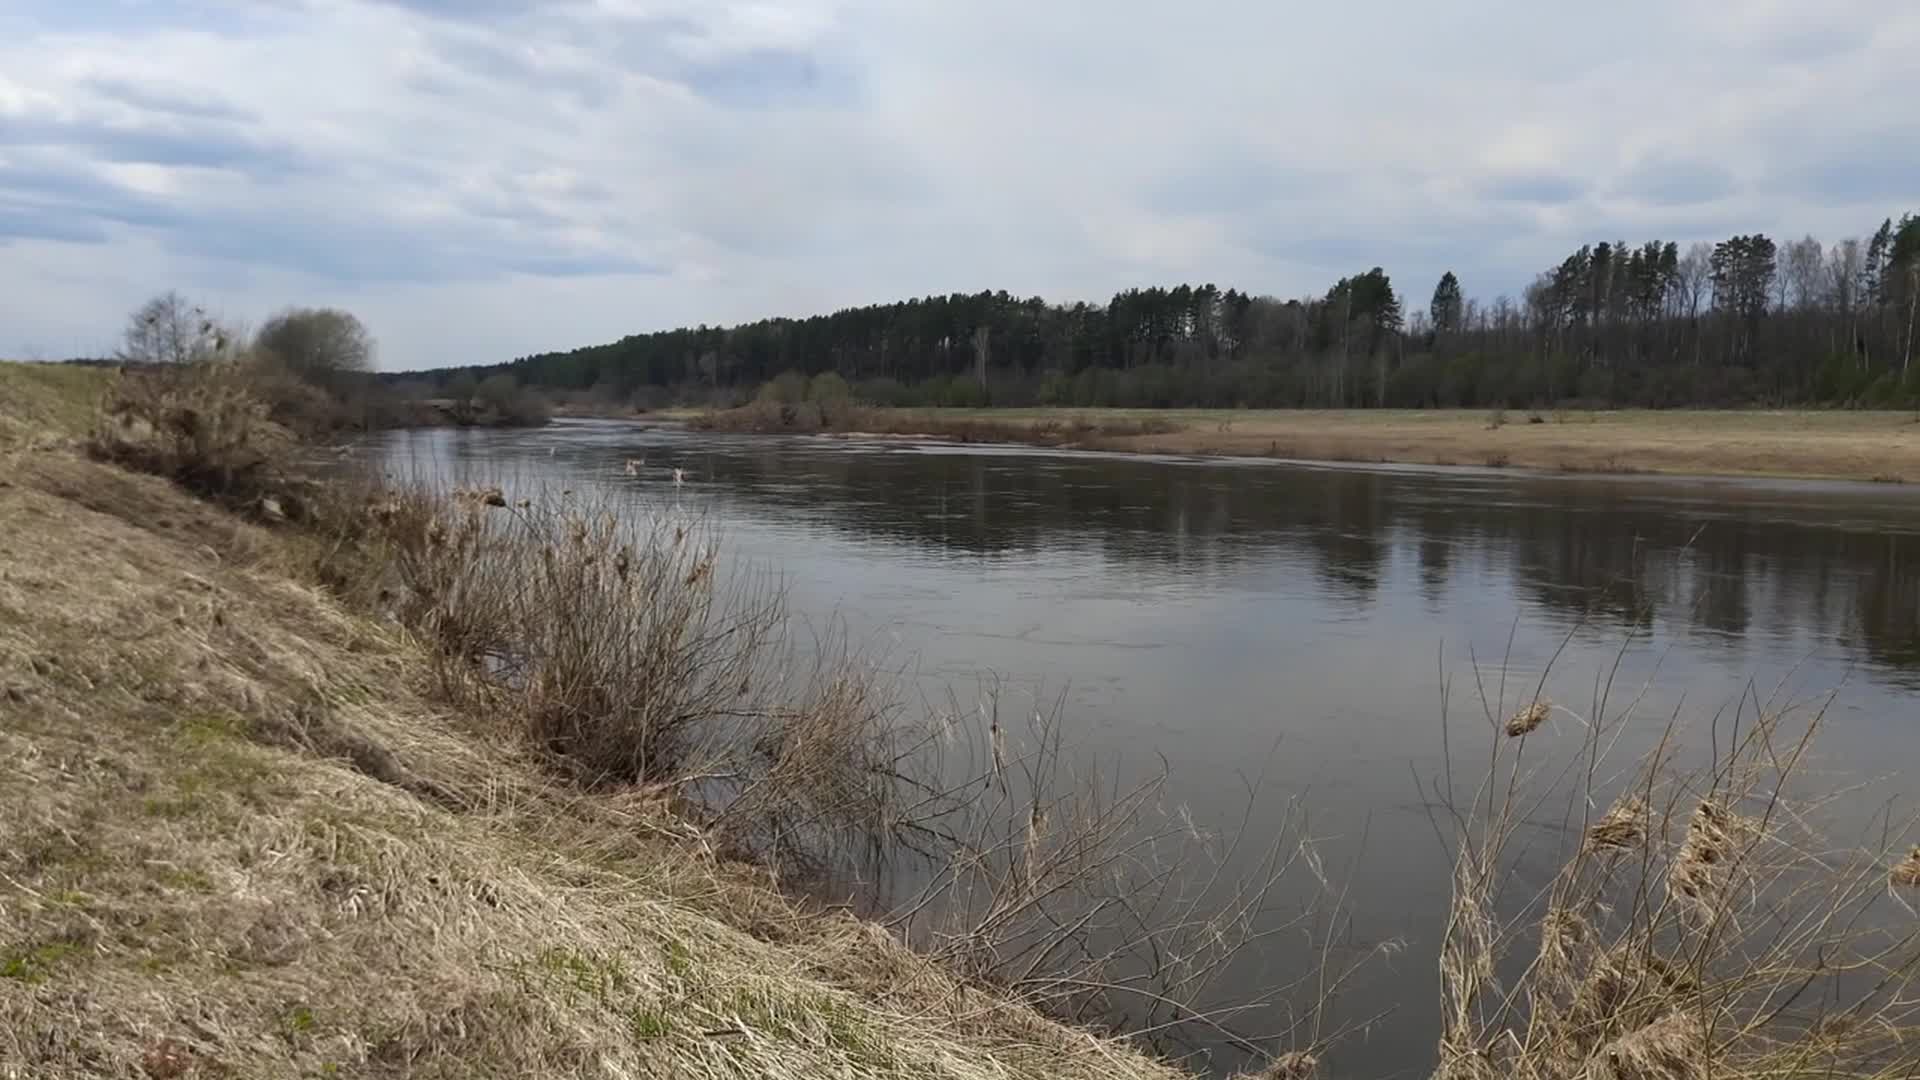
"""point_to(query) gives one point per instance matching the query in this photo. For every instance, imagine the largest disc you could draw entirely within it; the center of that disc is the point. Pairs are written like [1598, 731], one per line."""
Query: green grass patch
[37, 964]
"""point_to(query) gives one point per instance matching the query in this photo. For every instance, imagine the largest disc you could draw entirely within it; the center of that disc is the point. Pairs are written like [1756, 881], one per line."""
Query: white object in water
[679, 477]
[634, 465]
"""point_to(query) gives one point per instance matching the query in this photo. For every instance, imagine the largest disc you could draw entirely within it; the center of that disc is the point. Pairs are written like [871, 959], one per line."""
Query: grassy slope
[241, 841]
[1848, 445]
[51, 399]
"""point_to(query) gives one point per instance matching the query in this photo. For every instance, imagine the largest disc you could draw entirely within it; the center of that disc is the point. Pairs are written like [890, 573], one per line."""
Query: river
[1296, 623]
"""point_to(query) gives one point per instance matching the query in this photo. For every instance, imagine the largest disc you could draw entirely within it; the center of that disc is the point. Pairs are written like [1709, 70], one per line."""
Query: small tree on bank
[169, 329]
[318, 345]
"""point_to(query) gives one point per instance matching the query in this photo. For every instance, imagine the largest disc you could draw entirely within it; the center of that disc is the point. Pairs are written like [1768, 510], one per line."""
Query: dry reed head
[480, 496]
[1564, 937]
[1717, 840]
[1527, 720]
[1622, 828]
[1906, 873]
[1672, 1047]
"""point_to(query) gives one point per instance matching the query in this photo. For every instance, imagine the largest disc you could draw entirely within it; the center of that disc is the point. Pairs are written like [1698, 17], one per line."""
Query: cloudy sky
[479, 179]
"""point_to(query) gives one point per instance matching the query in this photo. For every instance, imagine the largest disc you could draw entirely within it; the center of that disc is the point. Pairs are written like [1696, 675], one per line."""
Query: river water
[1297, 623]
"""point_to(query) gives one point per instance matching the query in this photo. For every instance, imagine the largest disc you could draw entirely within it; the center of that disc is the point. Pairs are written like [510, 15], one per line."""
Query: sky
[482, 179]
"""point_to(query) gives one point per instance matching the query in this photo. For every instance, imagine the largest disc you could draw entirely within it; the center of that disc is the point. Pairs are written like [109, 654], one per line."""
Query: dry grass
[246, 837]
[1846, 445]
[1099, 904]
[623, 651]
[631, 661]
[1702, 926]
[1086, 429]
[1529, 719]
[200, 425]
[49, 401]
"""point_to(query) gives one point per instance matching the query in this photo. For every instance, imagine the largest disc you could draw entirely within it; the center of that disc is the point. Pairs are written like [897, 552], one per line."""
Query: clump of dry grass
[1700, 926]
[1710, 857]
[629, 656]
[197, 424]
[1622, 828]
[1529, 719]
[1906, 872]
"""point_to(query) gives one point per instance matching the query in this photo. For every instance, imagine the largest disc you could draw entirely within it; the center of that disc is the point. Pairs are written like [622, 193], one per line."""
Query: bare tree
[1845, 263]
[1913, 309]
[317, 344]
[170, 330]
[1805, 270]
[1693, 278]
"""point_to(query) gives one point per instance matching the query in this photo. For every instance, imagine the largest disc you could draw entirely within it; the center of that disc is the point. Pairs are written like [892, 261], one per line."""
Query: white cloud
[484, 180]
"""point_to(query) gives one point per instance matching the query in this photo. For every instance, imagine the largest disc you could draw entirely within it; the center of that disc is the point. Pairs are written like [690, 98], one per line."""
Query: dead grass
[1833, 444]
[49, 401]
[1704, 925]
[247, 838]
[1087, 429]
[200, 425]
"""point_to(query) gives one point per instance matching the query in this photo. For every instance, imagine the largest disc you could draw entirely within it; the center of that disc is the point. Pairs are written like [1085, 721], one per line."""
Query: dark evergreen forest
[1747, 320]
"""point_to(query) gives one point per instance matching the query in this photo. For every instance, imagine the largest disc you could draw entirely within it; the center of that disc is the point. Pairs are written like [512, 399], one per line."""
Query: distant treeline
[1746, 320]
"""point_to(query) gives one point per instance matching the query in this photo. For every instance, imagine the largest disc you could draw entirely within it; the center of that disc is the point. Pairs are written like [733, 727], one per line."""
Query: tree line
[1746, 320]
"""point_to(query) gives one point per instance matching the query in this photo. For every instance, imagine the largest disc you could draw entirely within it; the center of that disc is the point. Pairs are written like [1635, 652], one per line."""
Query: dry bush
[199, 424]
[620, 649]
[625, 652]
[1700, 925]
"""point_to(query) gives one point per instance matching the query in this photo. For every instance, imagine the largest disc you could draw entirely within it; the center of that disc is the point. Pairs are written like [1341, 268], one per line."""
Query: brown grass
[1703, 926]
[200, 425]
[1906, 872]
[248, 836]
[1529, 719]
[49, 402]
[1087, 429]
[1846, 445]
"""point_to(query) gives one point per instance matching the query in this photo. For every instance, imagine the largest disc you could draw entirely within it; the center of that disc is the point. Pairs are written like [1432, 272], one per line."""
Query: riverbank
[1839, 445]
[249, 834]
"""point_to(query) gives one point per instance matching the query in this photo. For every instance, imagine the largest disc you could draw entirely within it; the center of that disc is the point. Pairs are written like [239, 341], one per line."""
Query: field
[1846, 445]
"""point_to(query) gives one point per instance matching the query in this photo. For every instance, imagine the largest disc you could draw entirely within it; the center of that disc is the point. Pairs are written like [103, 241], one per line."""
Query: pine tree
[1872, 273]
[1447, 304]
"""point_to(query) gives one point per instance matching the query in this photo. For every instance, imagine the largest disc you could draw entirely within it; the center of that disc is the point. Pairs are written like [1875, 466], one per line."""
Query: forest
[1747, 320]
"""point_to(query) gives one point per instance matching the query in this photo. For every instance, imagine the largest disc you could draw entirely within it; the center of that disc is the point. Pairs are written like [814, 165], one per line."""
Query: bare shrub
[170, 329]
[624, 651]
[199, 424]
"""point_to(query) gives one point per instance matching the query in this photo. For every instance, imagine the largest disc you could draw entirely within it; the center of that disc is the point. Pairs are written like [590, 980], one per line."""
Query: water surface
[1205, 613]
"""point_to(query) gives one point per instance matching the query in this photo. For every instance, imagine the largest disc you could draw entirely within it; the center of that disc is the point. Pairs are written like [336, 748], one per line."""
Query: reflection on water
[1202, 611]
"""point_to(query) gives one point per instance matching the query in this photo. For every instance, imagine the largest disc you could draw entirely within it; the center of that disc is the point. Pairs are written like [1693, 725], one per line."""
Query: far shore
[1804, 444]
